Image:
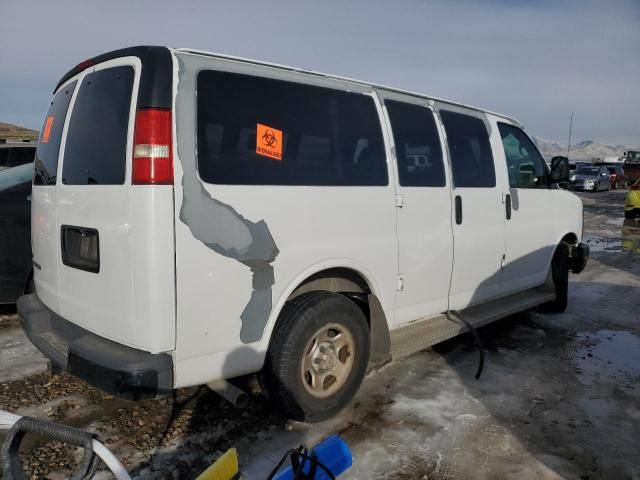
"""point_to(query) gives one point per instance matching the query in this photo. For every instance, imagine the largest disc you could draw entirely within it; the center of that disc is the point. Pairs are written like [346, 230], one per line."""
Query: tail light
[152, 152]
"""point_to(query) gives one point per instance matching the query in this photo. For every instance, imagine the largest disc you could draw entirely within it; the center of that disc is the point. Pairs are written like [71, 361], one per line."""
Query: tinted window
[20, 156]
[525, 165]
[254, 130]
[418, 150]
[4, 157]
[46, 163]
[471, 157]
[96, 147]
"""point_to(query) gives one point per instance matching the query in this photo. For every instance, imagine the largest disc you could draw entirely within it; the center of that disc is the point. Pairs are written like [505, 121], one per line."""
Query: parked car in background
[590, 178]
[15, 232]
[632, 204]
[15, 154]
[617, 176]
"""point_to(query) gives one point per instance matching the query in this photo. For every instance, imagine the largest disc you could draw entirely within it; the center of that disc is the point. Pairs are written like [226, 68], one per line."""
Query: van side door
[423, 208]
[529, 224]
[478, 211]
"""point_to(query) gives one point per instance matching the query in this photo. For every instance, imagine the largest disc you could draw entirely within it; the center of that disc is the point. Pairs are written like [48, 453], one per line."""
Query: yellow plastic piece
[225, 468]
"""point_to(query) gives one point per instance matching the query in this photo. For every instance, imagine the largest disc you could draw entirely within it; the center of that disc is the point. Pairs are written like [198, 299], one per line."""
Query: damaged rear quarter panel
[241, 249]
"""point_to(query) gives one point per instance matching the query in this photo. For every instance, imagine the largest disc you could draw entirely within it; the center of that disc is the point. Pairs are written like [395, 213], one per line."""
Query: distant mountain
[10, 131]
[584, 150]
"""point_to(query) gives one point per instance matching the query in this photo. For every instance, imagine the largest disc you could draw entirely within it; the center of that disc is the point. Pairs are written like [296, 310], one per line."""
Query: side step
[425, 332]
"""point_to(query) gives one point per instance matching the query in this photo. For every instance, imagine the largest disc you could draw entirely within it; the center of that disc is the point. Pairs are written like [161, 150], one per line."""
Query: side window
[261, 131]
[526, 166]
[471, 157]
[418, 150]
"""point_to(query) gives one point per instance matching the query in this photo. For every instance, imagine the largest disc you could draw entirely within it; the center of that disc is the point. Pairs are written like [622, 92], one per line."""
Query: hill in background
[9, 131]
[585, 150]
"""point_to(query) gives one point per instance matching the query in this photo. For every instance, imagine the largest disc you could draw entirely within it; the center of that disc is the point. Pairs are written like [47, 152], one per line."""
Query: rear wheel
[560, 278]
[630, 214]
[318, 355]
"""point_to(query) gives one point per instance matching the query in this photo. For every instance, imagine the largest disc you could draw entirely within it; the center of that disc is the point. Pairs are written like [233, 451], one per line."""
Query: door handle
[507, 201]
[458, 209]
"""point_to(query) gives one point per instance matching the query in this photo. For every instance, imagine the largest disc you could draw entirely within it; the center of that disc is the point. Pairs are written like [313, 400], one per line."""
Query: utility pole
[570, 128]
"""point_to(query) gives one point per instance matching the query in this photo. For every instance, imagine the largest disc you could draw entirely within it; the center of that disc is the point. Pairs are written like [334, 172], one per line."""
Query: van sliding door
[424, 209]
[478, 211]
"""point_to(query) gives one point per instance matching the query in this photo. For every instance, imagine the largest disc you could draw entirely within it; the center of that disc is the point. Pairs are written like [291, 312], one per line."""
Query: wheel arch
[349, 280]
[568, 236]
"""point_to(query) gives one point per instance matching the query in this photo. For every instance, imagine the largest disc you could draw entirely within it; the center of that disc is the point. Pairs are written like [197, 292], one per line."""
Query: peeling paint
[218, 225]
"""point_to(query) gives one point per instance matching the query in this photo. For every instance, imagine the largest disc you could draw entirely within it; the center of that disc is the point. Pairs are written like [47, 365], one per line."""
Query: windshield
[588, 171]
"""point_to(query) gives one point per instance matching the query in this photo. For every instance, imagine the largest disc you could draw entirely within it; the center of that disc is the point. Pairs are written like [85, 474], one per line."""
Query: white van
[198, 217]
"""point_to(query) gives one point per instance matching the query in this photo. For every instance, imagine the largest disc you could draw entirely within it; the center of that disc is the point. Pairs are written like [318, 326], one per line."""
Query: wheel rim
[328, 360]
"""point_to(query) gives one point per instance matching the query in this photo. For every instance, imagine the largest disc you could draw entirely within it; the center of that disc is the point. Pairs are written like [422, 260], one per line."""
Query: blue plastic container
[333, 453]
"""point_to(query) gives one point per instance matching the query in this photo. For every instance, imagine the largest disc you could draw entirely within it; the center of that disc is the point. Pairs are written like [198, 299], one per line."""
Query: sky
[537, 61]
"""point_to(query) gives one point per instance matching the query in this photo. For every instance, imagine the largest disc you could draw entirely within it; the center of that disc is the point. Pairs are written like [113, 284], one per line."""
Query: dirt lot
[559, 397]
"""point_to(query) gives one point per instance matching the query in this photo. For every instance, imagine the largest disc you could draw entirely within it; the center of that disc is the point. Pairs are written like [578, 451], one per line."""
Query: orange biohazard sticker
[47, 129]
[268, 141]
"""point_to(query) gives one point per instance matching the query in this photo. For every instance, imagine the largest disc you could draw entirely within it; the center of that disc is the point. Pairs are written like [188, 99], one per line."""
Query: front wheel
[318, 355]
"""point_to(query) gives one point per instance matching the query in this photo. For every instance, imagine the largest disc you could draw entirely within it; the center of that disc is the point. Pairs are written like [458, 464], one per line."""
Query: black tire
[560, 277]
[629, 214]
[299, 322]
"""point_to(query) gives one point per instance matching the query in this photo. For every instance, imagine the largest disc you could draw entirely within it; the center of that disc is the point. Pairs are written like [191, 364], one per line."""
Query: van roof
[338, 77]
[157, 56]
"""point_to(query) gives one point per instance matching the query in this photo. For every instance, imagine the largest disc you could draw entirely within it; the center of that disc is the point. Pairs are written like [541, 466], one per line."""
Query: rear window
[96, 147]
[260, 131]
[588, 171]
[46, 162]
[20, 156]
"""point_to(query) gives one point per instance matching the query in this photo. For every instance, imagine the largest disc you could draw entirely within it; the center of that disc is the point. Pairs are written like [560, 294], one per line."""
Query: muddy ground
[559, 397]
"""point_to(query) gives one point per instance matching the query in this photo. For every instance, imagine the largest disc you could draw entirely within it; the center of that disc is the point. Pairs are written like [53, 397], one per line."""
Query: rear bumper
[112, 367]
[579, 258]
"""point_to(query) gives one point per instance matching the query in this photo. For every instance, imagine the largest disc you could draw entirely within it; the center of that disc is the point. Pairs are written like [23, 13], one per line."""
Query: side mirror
[559, 169]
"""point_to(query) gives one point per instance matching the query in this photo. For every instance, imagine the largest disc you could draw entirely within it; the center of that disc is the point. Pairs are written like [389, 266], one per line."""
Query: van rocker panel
[112, 367]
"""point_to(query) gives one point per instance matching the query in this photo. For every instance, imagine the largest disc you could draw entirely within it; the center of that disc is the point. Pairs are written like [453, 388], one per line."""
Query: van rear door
[114, 239]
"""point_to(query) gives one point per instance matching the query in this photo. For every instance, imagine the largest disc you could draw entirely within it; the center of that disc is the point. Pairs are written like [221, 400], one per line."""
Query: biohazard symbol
[268, 141]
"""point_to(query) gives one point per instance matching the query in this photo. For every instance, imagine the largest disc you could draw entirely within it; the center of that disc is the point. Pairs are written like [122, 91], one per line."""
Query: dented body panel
[240, 252]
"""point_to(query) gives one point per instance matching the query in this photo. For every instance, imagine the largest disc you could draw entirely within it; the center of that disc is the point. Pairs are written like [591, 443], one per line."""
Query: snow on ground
[18, 357]
[559, 396]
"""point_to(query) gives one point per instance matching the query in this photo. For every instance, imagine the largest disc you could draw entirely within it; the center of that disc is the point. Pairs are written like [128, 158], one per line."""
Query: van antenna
[570, 128]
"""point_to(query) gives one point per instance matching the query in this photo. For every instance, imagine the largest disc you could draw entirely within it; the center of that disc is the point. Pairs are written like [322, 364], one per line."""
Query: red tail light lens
[152, 152]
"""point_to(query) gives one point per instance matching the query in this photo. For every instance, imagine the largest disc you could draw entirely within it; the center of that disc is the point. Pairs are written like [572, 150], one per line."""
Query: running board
[425, 332]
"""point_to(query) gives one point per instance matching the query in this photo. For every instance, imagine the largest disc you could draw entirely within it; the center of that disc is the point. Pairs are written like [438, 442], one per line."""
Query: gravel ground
[559, 397]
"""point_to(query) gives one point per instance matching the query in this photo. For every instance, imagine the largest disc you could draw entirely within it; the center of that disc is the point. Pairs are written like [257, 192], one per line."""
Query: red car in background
[617, 176]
